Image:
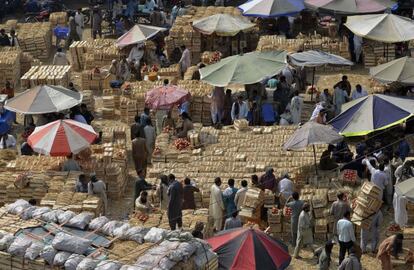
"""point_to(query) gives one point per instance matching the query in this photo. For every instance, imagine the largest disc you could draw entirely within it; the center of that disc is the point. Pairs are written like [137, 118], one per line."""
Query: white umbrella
[222, 25]
[44, 99]
[388, 28]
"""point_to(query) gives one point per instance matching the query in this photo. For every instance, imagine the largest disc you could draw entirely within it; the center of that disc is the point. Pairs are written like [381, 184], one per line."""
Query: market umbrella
[222, 25]
[314, 58]
[247, 248]
[312, 133]
[44, 99]
[374, 112]
[166, 97]
[138, 34]
[400, 70]
[246, 68]
[388, 28]
[61, 138]
[349, 6]
[271, 8]
[406, 188]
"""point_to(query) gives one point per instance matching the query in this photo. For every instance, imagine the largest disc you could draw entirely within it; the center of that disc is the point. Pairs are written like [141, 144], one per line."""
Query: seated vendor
[7, 141]
[187, 125]
[326, 162]
[142, 203]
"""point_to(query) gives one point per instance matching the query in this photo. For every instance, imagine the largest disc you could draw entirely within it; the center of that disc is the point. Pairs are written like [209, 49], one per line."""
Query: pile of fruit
[141, 217]
[157, 151]
[181, 144]
[167, 129]
[287, 212]
[146, 69]
[394, 228]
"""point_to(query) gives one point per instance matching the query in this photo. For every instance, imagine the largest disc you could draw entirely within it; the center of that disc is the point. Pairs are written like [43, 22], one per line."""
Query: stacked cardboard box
[93, 53]
[73, 201]
[9, 67]
[35, 38]
[58, 18]
[274, 220]
[376, 53]
[88, 99]
[52, 75]
[108, 110]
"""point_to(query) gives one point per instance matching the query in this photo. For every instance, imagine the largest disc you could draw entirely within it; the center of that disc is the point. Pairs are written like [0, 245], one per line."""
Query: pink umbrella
[61, 138]
[350, 6]
[138, 34]
[166, 97]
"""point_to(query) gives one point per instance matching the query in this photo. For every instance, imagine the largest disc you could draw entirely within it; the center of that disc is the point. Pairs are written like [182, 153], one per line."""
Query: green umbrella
[400, 70]
[247, 68]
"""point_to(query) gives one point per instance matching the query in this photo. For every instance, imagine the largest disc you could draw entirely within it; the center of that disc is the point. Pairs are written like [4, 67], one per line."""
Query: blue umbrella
[272, 8]
[374, 112]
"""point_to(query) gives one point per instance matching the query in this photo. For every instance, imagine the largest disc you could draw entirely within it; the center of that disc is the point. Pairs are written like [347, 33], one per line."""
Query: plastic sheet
[6, 241]
[87, 264]
[28, 213]
[60, 258]
[109, 227]
[154, 235]
[64, 217]
[17, 207]
[108, 265]
[48, 254]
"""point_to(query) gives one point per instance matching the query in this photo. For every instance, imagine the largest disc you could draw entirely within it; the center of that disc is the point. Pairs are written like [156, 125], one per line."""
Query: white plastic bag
[135, 234]
[19, 246]
[81, 220]
[28, 213]
[34, 251]
[154, 235]
[64, 217]
[49, 216]
[108, 265]
[132, 267]
[73, 261]
[48, 254]
[40, 211]
[17, 207]
[109, 227]
[122, 230]
[6, 241]
[69, 243]
[60, 258]
[148, 262]
[166, 263]
[98, 223]
[87, 264]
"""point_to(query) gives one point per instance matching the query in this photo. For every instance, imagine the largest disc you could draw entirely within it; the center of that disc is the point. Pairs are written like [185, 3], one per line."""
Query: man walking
[305, 236]
[374, 230]
[216, 207]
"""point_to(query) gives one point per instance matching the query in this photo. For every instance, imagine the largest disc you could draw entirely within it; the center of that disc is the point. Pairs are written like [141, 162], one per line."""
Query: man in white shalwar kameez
[305, 235]
[339, 98]
[98, 188]
[150, 136]
[400, 210]
[136, 54]
[79, 23]
[296, 104]
[216, 208]
[185, 60]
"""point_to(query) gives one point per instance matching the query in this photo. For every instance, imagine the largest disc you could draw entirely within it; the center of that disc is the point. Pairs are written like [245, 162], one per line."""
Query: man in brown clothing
[188, 194]
[137, 128]
[140, 152]
[338, 209]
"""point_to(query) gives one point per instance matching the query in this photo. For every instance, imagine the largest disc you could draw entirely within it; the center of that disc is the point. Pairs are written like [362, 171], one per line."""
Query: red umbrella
[247, 249]
[166, 97]
[61, 138]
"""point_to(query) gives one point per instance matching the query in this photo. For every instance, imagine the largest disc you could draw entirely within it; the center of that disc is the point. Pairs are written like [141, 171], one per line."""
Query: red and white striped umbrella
[61, 138]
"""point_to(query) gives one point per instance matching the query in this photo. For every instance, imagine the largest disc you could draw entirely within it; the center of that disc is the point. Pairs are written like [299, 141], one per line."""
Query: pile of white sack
[68, 251]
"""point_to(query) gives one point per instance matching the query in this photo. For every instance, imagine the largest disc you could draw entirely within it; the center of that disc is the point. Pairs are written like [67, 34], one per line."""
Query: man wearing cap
[98, 188]
[305, 236]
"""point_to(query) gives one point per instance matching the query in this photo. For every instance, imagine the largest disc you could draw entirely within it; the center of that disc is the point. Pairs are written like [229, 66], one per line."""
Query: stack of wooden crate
[90, 54]
[35, 38]
[368, 202]
[108, 110]
[73, 201]
[96, 79]
[88, 99]
[274, 220]
[253, 201]
[128, 110]
[9, 67]
[52, 75]
[58, 18]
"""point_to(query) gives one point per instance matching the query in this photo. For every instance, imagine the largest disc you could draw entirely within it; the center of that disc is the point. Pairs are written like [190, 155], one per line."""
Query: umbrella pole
[313, 82]
[314, 159]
